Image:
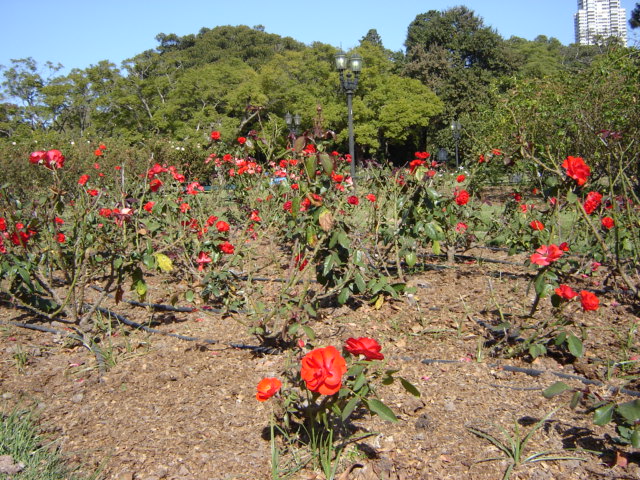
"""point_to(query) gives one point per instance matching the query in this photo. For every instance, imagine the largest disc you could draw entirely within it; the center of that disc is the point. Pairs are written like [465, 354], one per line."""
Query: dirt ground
[176, 409]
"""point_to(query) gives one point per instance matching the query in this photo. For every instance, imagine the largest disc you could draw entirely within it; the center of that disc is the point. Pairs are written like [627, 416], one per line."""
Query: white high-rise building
[597, 20]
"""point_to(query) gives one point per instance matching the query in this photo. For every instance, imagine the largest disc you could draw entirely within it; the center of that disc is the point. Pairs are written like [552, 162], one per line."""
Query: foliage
[625, 415]
[514, 446]
[32, 455]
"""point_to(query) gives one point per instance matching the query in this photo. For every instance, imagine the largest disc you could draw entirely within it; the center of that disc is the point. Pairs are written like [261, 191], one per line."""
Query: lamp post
[349, 83]
[455, 129]
[293, 122]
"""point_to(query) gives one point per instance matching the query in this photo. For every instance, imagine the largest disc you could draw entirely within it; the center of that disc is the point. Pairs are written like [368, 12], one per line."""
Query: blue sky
[78, 33]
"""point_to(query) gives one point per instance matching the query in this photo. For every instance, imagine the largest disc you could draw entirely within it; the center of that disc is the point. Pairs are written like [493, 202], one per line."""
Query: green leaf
[333, 240]
[344, 295]
[409, 387]
[349, 407]
[635, 439]
[572, 197]
[630, 411]
[149, 261]
[355, 370]
[541, 284]
[360, 381]
[379, 285]
[575, 399]
[556, 389]
[328, 265]
[380, 409]
[362, 287]
[435, 247]
[309, 331]
[537, 349]
[293, 328]
[603, 415]
[575, 346]
[189, 295]
[343, 239]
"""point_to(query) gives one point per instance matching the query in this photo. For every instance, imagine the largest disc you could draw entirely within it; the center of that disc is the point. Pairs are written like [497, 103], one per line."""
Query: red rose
[222, 226]
[371, 197]
[545, 255]
[149, 206]
[83, 180]
[537, 225]
[364, 346]
[226, 247]
[353, 200]
[589, 301]
[462, 197]
[242, 140]
[255, 216]
[53, 159]
[322, 370]
[155, 184]
[267, 388]
[592, 202]
[215, 135]
[37, 157]
[93, 192]
[60, 238]
[202, 260]
[566, 292]
[607, 222]
[211, 220]
[577, 169]
[460, 178]
[97, 152]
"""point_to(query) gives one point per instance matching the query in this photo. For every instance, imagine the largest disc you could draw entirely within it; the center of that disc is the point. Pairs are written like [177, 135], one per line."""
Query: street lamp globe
[355, 63]
[341, 61]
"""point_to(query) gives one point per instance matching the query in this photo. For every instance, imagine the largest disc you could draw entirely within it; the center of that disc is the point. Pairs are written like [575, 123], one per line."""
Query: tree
[391, 112]
[537, 58]
[24, 83]
[634, 21]
[373, 38]
[456, 55]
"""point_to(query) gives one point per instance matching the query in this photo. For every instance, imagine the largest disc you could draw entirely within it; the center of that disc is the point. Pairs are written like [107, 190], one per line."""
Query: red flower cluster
[226, 247]
[607, 222]
[592, 202]
[577, 169]
[462, 197]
